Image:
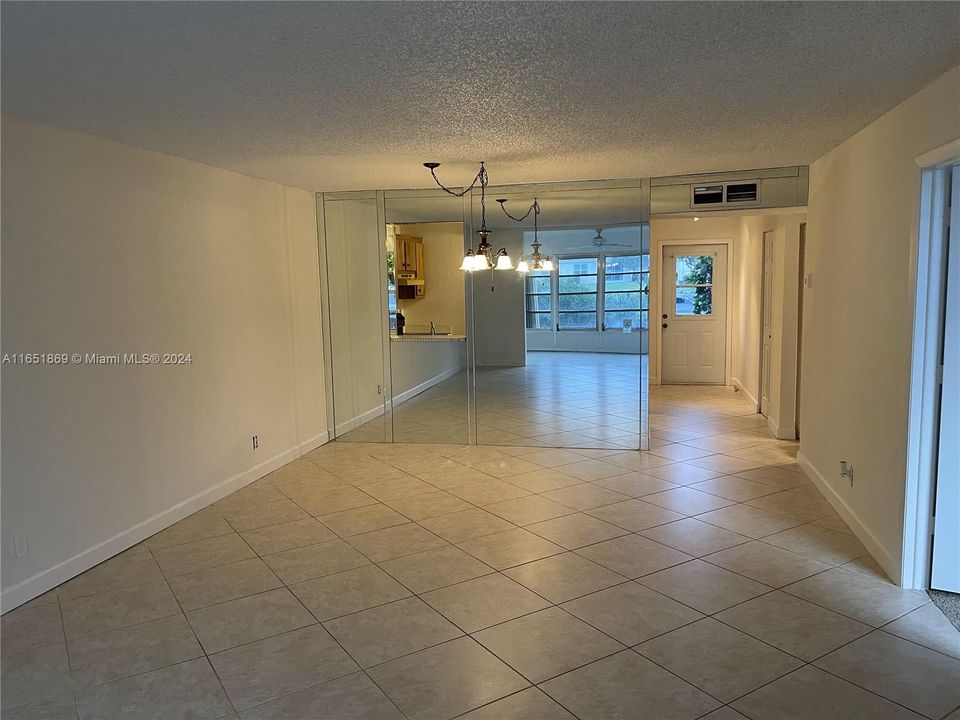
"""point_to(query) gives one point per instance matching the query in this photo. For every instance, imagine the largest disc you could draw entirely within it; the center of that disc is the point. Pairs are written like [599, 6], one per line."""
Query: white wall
[747, 298]
[861, 233]
[499, 325]
[747, 328]
[417, 365]
[443, 300]
[109, 249]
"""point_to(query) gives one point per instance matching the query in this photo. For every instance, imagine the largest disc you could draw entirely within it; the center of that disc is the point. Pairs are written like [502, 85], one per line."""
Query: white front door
[694, 314]
[945, 570]
[766, 341]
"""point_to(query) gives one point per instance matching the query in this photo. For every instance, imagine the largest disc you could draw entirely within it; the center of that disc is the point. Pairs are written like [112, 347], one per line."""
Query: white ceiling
[346, 95]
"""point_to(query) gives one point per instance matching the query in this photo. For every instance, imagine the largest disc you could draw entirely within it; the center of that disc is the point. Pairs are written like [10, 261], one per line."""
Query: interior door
[945, 570]
[694, 314]
[766, 339]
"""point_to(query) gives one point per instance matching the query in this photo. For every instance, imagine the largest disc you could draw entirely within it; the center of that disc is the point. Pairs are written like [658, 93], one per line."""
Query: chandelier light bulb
[503, 260]
[523, 266]
[467, 263]
[548, 265]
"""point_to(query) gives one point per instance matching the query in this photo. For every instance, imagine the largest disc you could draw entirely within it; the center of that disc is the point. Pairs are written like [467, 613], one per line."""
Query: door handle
[664, 316]
[664, 325]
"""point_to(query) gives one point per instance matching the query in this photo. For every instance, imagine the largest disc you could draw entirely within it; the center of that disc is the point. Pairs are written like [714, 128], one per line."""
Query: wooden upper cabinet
[409, 267]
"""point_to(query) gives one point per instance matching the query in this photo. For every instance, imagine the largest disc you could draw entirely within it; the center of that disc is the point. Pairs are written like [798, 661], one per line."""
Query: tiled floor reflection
[704, 579]
[586, 400]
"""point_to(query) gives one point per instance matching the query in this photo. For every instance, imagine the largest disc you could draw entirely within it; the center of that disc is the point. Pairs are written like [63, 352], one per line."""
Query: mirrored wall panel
[546, 350]
[561, 351]
[354, 270]
[427, 307]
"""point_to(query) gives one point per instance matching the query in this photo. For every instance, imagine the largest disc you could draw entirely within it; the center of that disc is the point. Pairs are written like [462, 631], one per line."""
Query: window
[577, 294]
[608, 293]
[625, 302]
[694, 284]
[539, 302]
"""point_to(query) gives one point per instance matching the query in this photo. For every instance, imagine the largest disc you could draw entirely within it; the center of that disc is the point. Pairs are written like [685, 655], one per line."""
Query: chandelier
[484, 258]
[535, 261]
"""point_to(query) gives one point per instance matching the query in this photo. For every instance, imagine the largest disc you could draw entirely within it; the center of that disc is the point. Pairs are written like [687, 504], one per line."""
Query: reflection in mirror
[427, 316]
[353, 250]
[561, 354]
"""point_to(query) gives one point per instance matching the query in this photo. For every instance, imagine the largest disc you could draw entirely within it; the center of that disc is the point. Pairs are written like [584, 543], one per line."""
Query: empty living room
[494, 360]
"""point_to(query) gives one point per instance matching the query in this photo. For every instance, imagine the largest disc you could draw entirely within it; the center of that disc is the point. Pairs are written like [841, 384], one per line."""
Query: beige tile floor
[707, 578]
[587, 400]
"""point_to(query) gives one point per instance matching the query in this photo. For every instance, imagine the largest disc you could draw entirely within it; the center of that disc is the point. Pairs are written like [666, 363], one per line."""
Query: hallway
[428, 581]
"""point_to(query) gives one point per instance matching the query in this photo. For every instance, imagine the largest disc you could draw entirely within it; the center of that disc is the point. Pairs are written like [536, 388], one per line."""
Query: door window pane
[694, 269]
[694, 284]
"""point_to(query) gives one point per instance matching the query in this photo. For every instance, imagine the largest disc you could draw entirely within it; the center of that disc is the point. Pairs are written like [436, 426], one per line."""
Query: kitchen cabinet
[409, 267]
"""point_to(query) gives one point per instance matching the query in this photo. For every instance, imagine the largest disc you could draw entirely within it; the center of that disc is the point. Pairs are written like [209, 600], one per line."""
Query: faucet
[433, 328]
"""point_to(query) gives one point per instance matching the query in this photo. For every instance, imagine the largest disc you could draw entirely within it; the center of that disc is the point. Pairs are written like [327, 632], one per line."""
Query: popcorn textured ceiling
[346, 95]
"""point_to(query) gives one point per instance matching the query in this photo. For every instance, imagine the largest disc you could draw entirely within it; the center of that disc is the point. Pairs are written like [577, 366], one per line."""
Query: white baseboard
[61, 572]
[736, 383]
[502, 363]
[362, 418]
[426, 385]
[879, 552]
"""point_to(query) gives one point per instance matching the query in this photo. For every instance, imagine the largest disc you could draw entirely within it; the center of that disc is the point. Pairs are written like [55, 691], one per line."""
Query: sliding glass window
[625, 298]
[539, 302]
[577, 294]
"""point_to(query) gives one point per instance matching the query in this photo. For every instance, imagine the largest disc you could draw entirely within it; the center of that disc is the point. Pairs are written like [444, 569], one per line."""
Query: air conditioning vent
[742, 192]
[707, 194]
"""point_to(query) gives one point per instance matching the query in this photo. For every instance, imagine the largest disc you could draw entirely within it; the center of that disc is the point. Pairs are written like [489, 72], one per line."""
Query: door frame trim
[656, 293]
[763, 307]
[928, 263]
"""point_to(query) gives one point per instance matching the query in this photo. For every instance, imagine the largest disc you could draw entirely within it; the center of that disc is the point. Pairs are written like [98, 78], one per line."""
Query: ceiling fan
[599, 242]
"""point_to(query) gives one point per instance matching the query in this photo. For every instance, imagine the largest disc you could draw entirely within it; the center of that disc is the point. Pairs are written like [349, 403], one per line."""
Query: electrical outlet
[21, 544]
[256, 442]
[379, 389]
[846, 471]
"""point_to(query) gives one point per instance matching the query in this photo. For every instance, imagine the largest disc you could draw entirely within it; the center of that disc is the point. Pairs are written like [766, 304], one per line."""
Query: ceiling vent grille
[742, 193]
[738, 190]
[707, 195]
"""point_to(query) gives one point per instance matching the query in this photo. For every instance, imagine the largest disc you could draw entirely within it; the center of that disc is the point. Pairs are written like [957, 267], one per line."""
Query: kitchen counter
[428, 338]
